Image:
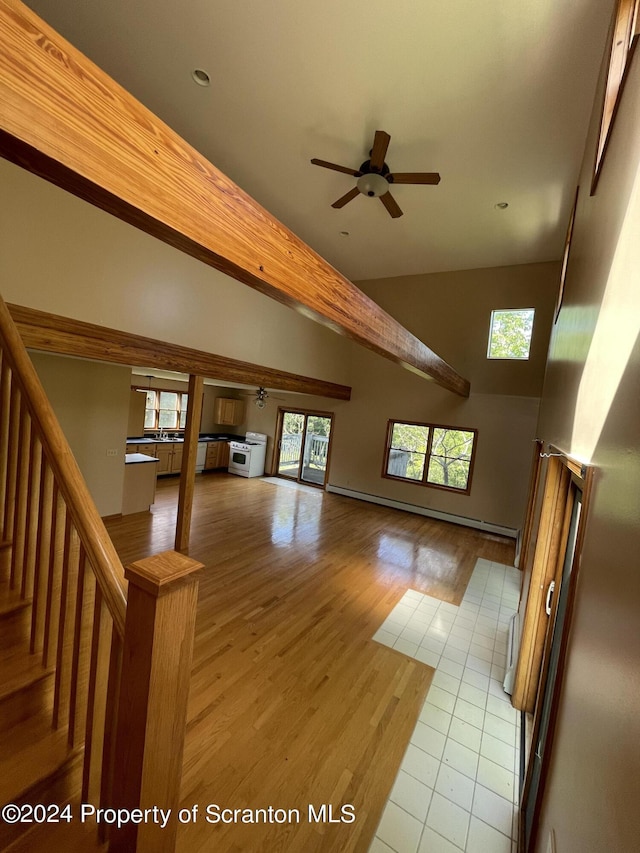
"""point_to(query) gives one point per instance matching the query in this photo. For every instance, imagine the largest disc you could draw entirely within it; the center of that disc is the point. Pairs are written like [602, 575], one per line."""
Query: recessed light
[201, 77]
[501, 205]
[344, 233]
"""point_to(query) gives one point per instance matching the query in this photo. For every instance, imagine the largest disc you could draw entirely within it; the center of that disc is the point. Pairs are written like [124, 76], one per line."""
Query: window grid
[171, 416]
[399, 462]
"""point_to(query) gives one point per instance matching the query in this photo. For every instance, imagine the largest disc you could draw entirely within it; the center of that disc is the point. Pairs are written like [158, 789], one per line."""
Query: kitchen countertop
[130, 458]
[204, 437]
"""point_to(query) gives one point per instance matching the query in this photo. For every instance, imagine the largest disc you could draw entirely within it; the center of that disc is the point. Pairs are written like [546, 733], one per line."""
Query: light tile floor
[457, 787]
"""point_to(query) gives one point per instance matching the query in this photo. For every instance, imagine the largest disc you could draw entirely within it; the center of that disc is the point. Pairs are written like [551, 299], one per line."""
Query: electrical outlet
[551, 843]
[112, 451]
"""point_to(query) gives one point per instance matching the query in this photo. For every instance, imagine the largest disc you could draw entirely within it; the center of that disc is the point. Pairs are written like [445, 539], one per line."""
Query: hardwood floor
[291, 701]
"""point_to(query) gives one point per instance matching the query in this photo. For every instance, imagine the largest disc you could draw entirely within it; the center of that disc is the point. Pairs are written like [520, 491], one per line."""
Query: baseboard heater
[429, 513]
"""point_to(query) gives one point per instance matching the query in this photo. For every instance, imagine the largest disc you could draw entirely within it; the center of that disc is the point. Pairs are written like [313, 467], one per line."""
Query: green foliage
[511, 333]
[449, 459]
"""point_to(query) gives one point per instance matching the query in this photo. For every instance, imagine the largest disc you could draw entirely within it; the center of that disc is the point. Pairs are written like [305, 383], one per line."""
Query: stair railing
[121, 658]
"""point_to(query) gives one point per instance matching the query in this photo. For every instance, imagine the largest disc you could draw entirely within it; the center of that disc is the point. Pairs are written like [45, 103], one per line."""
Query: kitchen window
[164, 409]
[430, 454]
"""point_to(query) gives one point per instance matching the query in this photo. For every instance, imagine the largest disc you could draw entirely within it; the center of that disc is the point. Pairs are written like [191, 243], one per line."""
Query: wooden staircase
[37, 764]
[87, 662]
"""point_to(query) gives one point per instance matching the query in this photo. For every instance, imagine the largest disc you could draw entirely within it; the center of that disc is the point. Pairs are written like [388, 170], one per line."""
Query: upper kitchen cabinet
[228, 411]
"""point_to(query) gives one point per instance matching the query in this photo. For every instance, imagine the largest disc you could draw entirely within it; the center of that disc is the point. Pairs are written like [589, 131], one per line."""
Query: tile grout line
[478, 627]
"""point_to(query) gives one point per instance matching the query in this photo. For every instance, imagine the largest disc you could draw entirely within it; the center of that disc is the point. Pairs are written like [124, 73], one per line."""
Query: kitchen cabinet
[170, 458]
[228, 411]
[147, 449]
[217, 455]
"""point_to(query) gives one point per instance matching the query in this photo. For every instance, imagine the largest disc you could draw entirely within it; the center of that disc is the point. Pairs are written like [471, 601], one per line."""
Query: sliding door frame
[282, 410]
[564, 476]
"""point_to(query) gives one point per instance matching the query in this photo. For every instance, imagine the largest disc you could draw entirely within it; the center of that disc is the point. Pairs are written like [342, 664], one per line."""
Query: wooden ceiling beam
[66, 120]
[62, 335]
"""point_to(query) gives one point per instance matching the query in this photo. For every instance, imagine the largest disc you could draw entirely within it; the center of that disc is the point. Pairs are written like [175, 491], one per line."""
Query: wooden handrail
[96, 542]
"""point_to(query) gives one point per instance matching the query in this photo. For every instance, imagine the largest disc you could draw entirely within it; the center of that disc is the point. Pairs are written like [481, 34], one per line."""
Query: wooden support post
[188, 470]
[156, 671]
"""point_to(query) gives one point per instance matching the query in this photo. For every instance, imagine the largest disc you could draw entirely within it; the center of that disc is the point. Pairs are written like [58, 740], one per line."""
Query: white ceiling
[493, 94]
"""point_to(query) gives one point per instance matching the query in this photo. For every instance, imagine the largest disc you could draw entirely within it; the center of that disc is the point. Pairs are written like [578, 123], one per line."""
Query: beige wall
[60, 254]
[451, 312]
[91, 401]
[591, 407]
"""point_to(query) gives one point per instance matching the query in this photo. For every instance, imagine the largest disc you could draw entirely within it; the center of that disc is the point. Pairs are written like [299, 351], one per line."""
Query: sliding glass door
[303, 445]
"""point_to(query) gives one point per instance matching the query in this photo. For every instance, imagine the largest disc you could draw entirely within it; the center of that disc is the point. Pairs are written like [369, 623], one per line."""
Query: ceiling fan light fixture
[261, 402]
[372, 185]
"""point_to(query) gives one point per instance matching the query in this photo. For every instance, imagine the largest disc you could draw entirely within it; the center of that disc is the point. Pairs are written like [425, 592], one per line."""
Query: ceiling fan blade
[379, 151]
[414, 178]
[347, 197]
[336, 168]
[391, 204]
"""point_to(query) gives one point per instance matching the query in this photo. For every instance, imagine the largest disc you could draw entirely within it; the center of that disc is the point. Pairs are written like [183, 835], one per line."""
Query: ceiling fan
[374, 176]
[260, 396]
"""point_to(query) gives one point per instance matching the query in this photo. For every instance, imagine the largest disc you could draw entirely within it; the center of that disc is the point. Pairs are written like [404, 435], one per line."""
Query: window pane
[448, 472]
[407, 452]
[403, 463]
[184, 399]
[169, 400]
[151, 400]
[183, 419]
[449, 464]
[410, 437]
[149, 418]
[510, 333]
[168, 418]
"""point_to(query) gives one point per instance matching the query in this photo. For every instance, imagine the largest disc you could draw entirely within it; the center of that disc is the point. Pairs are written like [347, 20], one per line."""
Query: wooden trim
[427, 456]
[622, 45]
[52, 333]
[64, 119]
[566, 255]
[545, 561]
[534, 487]
[586, 485]
[277, 444]
[188, 470]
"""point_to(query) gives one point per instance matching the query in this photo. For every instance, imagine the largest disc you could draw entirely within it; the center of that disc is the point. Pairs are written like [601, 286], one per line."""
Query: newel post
[156, 671]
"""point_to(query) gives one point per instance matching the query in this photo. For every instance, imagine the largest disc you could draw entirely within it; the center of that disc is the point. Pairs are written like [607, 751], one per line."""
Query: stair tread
[19, 670]
[32, 751]
[10, 600]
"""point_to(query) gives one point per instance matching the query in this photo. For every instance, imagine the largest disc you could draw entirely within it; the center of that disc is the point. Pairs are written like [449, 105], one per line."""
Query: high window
[510, 333]
[165, 409]
[430, 454]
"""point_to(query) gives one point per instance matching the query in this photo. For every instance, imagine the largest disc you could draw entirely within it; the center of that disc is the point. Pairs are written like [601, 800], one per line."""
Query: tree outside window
[510, 333]
[165, 409]
[431, 455]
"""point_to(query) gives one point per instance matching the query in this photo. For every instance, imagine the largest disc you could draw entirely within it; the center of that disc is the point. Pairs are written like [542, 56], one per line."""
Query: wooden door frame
[534, 489]
[277, 448]
[564, 475]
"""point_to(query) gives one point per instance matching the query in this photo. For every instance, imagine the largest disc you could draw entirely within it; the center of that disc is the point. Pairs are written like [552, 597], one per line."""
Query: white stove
[246, 458]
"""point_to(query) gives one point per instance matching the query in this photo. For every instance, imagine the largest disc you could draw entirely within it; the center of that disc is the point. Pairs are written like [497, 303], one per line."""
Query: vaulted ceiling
[496, 96]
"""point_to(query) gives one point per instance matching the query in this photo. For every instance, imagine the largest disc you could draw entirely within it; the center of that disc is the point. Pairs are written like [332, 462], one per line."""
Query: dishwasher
[201, 456]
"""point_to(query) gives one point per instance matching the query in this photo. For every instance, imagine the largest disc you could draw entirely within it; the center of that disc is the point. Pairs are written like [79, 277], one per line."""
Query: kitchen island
[139, 490]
